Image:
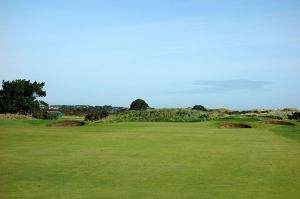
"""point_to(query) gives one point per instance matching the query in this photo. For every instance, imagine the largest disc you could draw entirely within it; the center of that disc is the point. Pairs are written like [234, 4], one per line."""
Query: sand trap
[67, 123]
[235, 125]
[279, 123]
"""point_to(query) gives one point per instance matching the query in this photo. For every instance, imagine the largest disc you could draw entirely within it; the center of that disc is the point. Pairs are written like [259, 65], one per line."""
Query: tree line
[21, 96]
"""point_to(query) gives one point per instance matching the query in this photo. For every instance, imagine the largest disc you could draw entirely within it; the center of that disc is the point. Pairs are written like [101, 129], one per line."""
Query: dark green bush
[294, 116]
[139, 104]
[199, 108]
[275, 117]
[102, 114]
[92, 117]
[96, 116]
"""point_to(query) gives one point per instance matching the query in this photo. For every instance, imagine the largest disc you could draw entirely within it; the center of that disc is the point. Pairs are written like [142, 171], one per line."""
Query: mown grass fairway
[148, 160]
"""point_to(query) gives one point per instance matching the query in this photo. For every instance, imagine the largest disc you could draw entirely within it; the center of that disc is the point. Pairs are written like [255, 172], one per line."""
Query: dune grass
[148, 160]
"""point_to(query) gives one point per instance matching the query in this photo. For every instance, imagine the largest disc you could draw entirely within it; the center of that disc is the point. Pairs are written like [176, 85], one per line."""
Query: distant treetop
[199, 108]
[139, 104]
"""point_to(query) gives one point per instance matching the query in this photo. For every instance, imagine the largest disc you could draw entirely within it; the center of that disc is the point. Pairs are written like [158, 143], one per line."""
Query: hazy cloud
[222, 86]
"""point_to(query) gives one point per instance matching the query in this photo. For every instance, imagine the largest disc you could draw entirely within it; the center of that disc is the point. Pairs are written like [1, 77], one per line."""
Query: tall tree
[20, 96]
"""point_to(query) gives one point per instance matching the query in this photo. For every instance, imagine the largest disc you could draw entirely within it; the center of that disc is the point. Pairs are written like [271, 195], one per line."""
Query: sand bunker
[235, 125]
[66, 123]
[279, 123]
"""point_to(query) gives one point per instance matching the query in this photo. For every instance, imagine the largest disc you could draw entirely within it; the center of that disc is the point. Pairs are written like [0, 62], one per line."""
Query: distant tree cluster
[20, 96]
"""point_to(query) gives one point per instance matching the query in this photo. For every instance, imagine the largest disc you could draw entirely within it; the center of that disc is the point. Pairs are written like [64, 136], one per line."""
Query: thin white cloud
[221, 86]
[224, 86]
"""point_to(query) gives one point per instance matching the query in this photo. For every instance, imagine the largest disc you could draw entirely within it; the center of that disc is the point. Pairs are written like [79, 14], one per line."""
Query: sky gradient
[234, 54]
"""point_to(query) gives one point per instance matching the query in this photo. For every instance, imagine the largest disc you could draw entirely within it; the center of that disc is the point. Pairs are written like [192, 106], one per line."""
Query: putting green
[148, 160]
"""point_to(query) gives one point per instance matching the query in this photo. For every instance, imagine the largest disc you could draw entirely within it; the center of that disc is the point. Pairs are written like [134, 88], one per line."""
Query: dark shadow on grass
[66, 124]
[279, 122]
[291, 132]
[234, 125]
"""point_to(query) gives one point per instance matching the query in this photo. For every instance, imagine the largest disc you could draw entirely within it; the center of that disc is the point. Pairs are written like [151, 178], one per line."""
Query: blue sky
[235, 54]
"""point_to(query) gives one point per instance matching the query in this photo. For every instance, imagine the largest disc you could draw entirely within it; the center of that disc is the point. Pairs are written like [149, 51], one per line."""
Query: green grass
[290, 132]
[148, 160]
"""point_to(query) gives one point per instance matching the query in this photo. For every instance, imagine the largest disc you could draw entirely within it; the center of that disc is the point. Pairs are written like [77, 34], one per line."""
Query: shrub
[92, 117]
[294, 116]
[96, 116]
[139, 104]
[199, 108]
[275, 117]
[39, 114]
[102, 114]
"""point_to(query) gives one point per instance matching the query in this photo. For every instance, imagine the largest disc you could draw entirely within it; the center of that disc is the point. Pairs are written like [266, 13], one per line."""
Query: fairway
[148, 160]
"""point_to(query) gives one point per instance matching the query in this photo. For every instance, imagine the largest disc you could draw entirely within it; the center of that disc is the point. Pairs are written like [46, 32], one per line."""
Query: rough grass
[163, 115]
[14, 116]
[272, 114]
[148, 160]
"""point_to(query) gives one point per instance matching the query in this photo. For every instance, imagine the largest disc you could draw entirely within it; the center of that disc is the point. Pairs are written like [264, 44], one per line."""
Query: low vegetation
[294, 116]
[164, 115]
[14, 116]
[83, 110]
[96, 116]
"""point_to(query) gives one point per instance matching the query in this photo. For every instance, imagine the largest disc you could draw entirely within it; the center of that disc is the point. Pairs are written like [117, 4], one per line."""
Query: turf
[148, 160]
